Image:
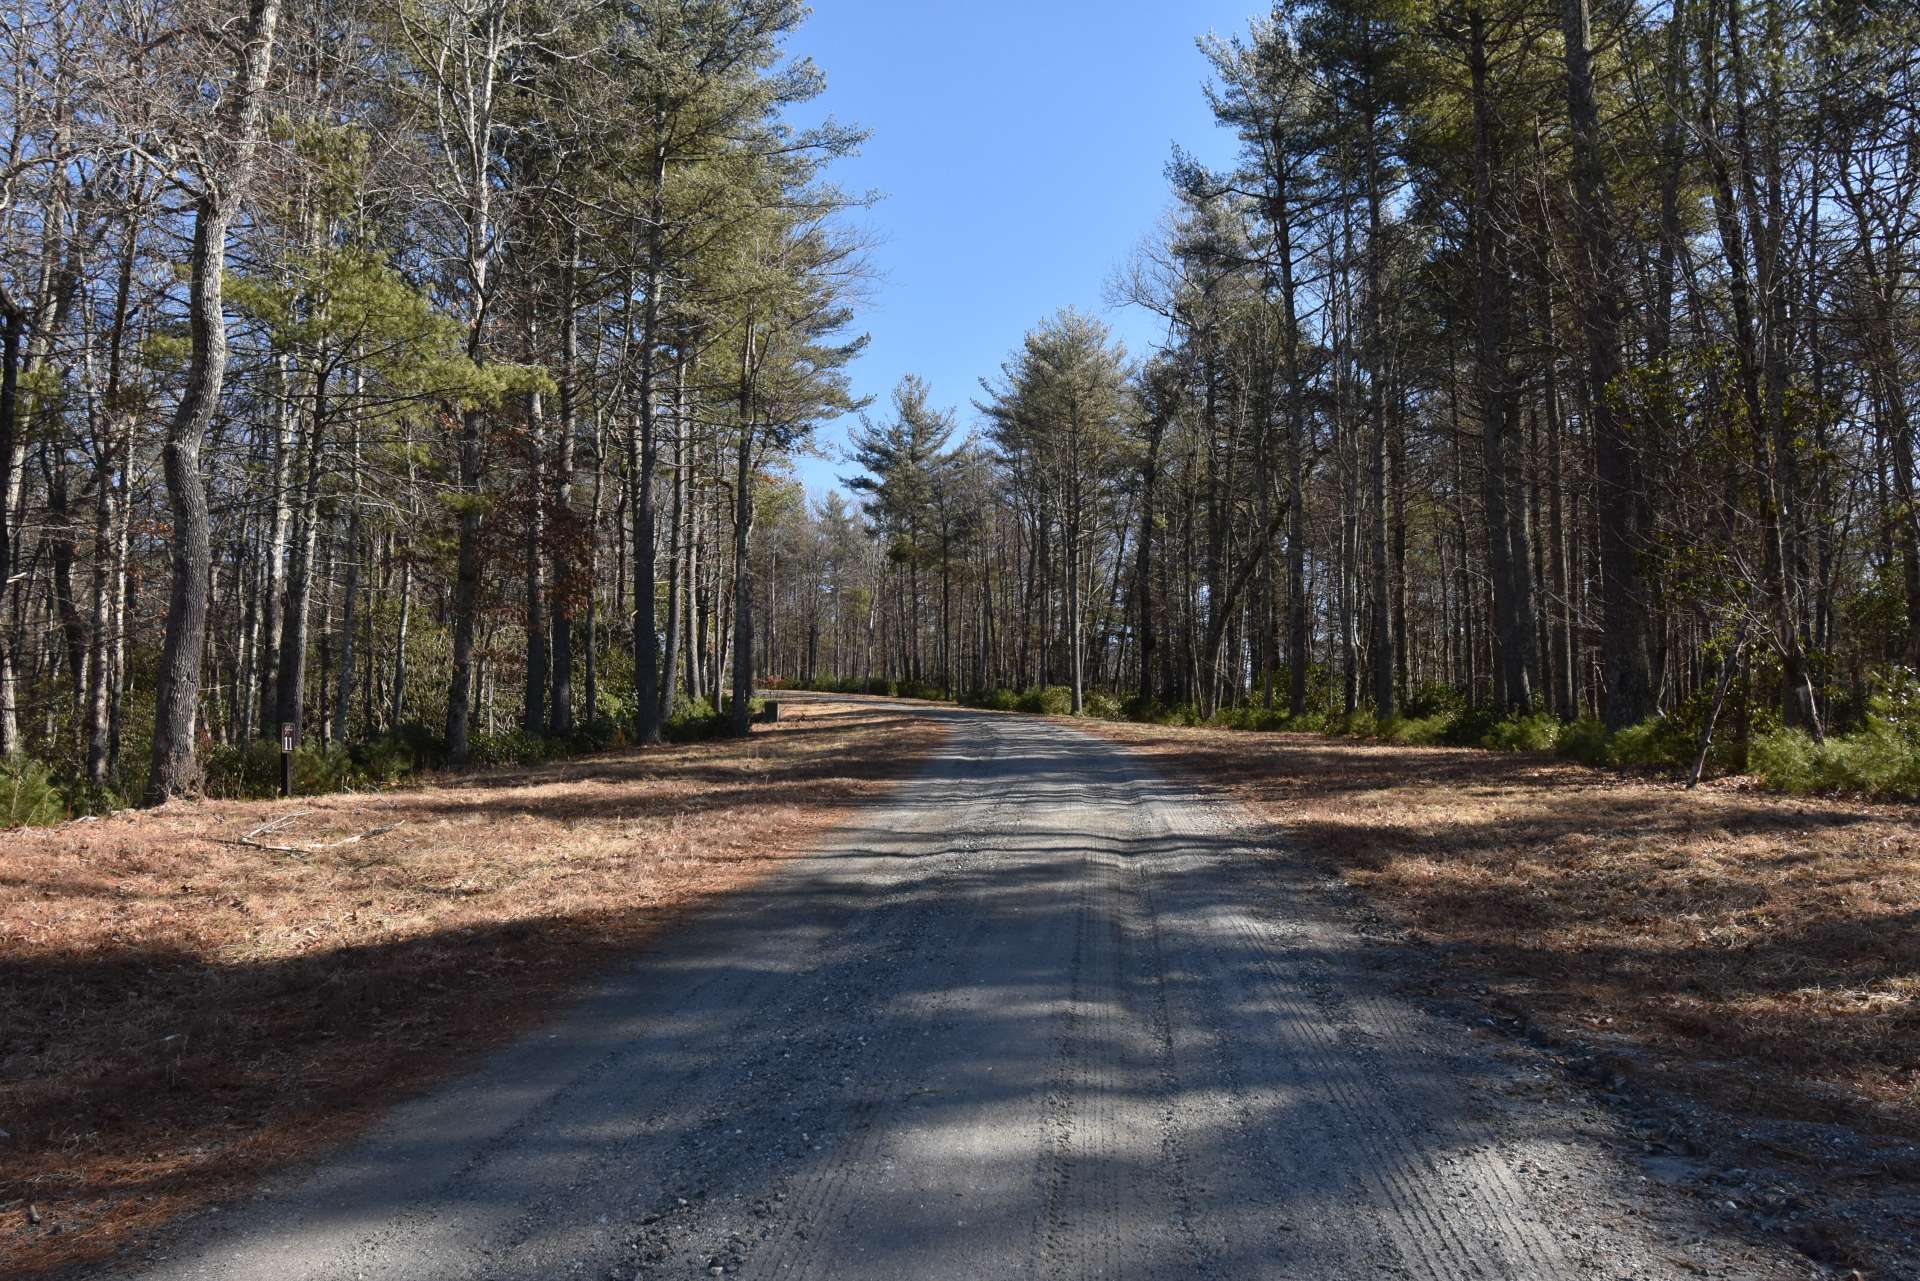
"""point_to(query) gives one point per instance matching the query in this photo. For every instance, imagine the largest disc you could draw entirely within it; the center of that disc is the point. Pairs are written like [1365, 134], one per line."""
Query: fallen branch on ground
[281, 823]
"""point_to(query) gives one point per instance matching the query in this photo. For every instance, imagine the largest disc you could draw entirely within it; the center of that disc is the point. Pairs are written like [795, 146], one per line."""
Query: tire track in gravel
[1332, 1067]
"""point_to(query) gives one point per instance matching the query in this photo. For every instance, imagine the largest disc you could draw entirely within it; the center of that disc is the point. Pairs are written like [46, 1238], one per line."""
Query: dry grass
[1756, 952]
[180, 1014]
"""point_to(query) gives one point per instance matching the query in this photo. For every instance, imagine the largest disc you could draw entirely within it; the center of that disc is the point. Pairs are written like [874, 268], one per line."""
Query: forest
[427, 377]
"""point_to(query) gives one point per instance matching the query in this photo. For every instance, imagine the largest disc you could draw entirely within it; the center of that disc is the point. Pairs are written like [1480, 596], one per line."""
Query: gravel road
[1039, 1014]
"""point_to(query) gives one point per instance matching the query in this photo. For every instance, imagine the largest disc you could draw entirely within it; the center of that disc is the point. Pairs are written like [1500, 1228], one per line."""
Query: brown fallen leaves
[180, 1013]
[1758, 952]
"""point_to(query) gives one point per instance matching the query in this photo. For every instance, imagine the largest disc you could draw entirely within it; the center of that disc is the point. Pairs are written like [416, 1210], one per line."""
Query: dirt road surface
[1039, 1014]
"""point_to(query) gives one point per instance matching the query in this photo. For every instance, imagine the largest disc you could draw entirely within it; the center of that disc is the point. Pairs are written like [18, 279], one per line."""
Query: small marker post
[286, 758]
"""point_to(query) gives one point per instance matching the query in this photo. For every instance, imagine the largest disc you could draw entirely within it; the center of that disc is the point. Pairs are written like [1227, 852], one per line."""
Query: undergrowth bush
[83, 797]
[1882, 759]
[1470, 727]
[1433, 699]
[1419, 731]
[512, 747]
[403, 751]
[918, 689]
[599, 735]
[698, 720]
[1894, 707]
[1539, 732]
[242, 771]
[694, 720]
[28, 797]
[1586, 741]
[251, 771]
[1358, 723]
[1659, 742]
[1051, 700]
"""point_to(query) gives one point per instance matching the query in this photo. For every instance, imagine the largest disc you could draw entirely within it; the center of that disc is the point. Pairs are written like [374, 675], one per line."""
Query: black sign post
[286, 758]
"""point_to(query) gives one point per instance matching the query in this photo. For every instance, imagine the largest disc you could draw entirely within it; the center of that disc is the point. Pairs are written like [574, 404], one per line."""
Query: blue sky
[1019, 149]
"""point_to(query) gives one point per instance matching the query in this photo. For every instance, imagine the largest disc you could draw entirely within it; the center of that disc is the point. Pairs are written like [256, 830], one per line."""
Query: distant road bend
[1040, 1014]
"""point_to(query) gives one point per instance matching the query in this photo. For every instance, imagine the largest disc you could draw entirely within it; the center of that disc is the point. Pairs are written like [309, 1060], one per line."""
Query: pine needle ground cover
[181, 1013]
[1755, 953]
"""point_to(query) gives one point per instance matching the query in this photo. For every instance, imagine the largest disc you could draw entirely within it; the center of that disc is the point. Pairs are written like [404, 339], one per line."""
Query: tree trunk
[1143, 556]
[350, 600]
[560, 719]
[175, 764]
[1511, 560]
[1382, 643]
[533, 707]
[676, 579]
[15, 324]
[740, 711]
[646, 653]
[1623, 605]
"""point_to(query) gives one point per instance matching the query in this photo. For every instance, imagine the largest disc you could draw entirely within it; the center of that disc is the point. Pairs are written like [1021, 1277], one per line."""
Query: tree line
[1549, 362]
[379, 368]
[432, 369]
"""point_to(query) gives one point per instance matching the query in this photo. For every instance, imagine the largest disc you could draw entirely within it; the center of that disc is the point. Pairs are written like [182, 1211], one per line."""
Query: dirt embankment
[180, 1012]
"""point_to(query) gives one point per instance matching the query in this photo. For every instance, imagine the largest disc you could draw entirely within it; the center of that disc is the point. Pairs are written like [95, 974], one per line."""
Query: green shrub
[699, 720]
[1152, 711]
[598, 735]
[1877, 761]
[1586, 741]
[1104, 706]
[693, 720]
[918, 689]
[1053, 700]
[1784, 759]
[1471, 727]
[1419, 731]
[685, 708]
[1358, 723]
[242, 771]
[1659, 742]
[1536, 732]
[384, 761]
[91, 798]
[317, 772]
[1254, 718]
[251, 771]
[514, 747]
[407, 749]
[1894, 706]
[1434, 698]
[614, 706]
[28, 797]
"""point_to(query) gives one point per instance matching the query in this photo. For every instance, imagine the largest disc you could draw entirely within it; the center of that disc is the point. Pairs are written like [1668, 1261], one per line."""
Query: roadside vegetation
[193, 996]
[1880, 760]
[33, 795]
